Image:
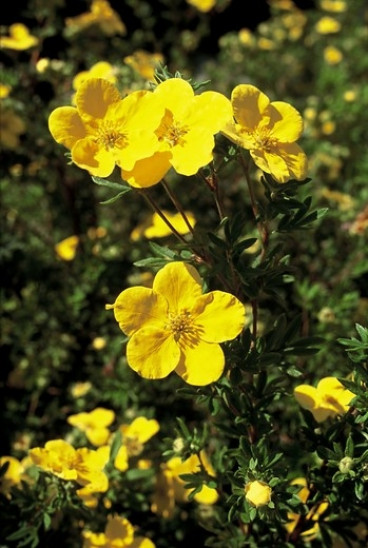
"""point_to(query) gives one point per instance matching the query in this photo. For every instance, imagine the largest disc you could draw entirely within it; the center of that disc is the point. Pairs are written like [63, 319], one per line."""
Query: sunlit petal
[153, 353]
[180, 283]
[220, 315]
[138, 307]
[201, 363]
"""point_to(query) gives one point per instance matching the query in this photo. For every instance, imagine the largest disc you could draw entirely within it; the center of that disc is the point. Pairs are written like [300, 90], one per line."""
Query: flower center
[171, 131]
[181, 323]
[134, 446]
[264, 141]
[109, 137]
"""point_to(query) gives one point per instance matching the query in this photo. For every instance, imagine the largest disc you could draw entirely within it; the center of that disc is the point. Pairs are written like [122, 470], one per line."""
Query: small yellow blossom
[313, 515]
[119, 533]
[360, 225]
[135, 435]
[19, 38]
[80, 389]
[258, 493]
[246, 37]
[13, 474]
[102, 69]
[85, 466]
[334, 6]
[328, 399]
[287, 5]
[11, 127]
[350, 95]
[4, 91]
[186, 132]
[94, 424]
[95, 233]
[332, 55]
[266, 44]
[42, 65]
[100, 14]
[173, 327]
[98, 343]
[202, 5]
[328, 127]
[104, 129]
[144, 63]
[155, 227]
[170, 488]
[328, 25]
[344, 201]
[269, 131]
[67, 248]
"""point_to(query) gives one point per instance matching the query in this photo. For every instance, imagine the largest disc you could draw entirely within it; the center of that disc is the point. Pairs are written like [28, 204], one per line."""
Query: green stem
[177, 204]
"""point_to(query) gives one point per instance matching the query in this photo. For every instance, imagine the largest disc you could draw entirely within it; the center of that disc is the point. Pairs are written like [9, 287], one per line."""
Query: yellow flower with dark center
[258, 493]
[328, 399]
[312, 518]
[67, 248]
[269, 131]
[105, 130]
[100, 14]
[186, 132]
[173, 327]
[11, 127]
[19, 38]
[135, 435]
[144, 63]
[119, 533]
[155, 227]
[94, 424]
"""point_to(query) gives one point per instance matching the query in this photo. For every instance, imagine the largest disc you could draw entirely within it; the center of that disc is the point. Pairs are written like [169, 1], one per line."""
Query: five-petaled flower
[135, 435]
[119, 532]
[94, 424]
[186, 133]
[105, 130]
[269, 131]
[328, 399]
[174, 327]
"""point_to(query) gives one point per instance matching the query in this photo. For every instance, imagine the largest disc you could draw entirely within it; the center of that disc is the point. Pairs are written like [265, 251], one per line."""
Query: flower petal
[287, 122]
[87, 154]
[307, 396]
[295, 159]
[148, 171]
[66, 126]
[180, 284]
[249, 104]
[176, 94]
[94, 96]
[153, 353]
[276, 163]
[211, 110]
[220, 316]
[201, 363]
[141, 428]
[138, 307]
[193, 151]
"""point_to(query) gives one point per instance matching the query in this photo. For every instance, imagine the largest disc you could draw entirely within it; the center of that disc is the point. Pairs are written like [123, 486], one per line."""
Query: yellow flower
[258, 493]
[329, 399]
[67, 249]
[4, 91]
[344, 201]
[104, 130]
[85, 466]
[266, 44]
[170, 487]
[350, 95]
[11, 127]
[80, 389]
[94, 424]
[269, 131]
[336, 6]
[328, 127]
[119, 533]
[327, 25]
[144, 63]
[313, 515]
[13, 474]
[19, 38]
[202, 5]
[155, 227]
[173, 327]
[246, 37]
[186, 133]
[101, 14]
[332, 55]
[102, 69]
[135, 435]
[98, 343]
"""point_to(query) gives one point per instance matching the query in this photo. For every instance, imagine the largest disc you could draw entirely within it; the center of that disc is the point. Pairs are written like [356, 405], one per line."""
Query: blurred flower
[170, 488]
[266, 43]
[202, 5]
[19, 38]
[246, 37]
[328, 127]
[97, 232]
[13, 474]
[332, 55]
[119, 532]
[155, 227]
[350, 95]
[336, 6]
[360, 225]
[329, 399]
[282, 4]
[326, 315]
[144, 63]
[268, 130]
[135, 435]
[11, 127]
[101, 14]
[173, 327]
[85, 466]
[344, 201]
[80, 389]
[102, 69]
[104, 129]
[313, 515]
[186, 132]
[328, 25]
[94, 424]
[42, 65]
[4, 91]
[258, 493]
[67, 249]
[98, 343]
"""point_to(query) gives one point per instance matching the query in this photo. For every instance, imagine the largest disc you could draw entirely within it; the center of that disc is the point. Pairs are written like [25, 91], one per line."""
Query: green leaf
[111, 184]
[114, 198]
